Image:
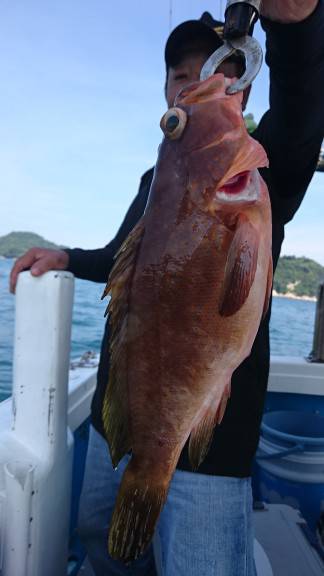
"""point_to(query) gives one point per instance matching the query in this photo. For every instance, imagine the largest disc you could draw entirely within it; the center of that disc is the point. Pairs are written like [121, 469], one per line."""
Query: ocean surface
[291, 329]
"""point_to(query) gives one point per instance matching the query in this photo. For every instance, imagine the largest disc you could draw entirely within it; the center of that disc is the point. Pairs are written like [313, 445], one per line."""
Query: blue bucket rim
[292, 437]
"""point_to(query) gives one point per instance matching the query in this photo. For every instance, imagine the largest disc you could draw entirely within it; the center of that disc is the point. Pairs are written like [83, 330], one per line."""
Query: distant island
[15, 244]
[295, 277]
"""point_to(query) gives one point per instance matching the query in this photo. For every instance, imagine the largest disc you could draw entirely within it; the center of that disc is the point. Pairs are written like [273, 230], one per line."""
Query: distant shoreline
[292, 296]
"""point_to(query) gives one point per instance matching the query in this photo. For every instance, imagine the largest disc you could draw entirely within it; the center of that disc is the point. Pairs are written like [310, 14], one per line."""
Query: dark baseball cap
[193, 36]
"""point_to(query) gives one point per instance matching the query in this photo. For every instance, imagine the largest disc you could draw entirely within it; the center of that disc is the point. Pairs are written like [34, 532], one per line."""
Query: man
[205, 527]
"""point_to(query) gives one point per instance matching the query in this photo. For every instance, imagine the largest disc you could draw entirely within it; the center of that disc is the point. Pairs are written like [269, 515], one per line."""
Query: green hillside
[250, 123]
[16, 243]
[298, 276]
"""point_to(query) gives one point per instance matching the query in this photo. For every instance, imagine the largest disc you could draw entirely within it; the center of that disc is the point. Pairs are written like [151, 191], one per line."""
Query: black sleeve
[293, 128]
[95, 265]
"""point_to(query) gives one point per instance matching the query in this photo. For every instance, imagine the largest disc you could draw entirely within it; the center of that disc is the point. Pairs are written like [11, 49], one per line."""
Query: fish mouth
[242, 187]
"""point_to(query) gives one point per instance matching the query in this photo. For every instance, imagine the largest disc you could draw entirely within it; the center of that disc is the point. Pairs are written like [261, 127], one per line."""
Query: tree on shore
[250, 123]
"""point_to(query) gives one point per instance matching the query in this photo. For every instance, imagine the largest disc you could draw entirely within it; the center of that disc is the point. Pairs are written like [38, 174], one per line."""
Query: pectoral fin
[240, 267]
[115, 404]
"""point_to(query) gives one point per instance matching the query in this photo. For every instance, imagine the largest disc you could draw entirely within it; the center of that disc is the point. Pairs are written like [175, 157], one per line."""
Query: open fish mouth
[243, 187]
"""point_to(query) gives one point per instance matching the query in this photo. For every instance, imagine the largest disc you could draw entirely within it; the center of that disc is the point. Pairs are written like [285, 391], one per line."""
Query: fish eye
[173, 123]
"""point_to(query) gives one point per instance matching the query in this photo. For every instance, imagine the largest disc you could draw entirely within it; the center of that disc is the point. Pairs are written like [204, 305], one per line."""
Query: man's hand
[287, 11]
[38, 261]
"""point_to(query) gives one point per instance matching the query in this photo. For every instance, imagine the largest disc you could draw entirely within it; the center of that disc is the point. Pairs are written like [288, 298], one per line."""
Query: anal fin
[200, 439]
[201, 436]
[269, 288]
[223, 403]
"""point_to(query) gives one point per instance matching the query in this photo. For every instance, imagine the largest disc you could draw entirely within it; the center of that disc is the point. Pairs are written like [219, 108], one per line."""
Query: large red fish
[188, 290]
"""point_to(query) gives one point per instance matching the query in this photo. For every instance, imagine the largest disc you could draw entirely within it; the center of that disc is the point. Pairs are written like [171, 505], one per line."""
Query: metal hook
[252, 52]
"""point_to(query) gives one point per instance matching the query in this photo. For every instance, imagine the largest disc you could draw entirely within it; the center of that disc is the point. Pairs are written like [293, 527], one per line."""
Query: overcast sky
[80, 103]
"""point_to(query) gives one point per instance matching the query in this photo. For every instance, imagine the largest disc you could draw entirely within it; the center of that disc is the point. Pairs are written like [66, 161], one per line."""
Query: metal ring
[252, 53]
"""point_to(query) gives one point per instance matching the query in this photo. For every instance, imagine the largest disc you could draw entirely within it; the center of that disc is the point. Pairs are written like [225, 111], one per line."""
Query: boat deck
[86, 570]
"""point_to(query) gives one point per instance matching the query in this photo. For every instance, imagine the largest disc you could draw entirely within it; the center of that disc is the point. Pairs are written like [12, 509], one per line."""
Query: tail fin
[139, 503]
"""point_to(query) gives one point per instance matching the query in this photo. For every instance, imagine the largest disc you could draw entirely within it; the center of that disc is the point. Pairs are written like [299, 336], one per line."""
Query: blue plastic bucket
[290, 462]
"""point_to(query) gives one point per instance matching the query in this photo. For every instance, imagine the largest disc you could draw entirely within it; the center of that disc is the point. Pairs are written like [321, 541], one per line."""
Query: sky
[80, 104]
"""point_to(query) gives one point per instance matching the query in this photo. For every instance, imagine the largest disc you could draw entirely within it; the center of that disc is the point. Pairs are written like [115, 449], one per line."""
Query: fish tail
[139, 503]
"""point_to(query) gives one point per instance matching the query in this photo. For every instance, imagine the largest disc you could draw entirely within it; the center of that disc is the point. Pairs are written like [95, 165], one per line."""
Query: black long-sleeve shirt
[291, 133]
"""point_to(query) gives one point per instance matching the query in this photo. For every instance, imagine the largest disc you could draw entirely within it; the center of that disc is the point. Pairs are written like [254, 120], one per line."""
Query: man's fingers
[22, 263]
[13, 281]
[41, 266]
[39, 261]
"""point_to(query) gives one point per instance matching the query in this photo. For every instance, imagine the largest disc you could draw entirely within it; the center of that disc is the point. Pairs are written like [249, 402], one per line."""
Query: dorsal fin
[115, 403]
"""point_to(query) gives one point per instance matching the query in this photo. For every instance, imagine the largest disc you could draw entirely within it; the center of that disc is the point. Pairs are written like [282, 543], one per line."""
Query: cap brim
[190, 37]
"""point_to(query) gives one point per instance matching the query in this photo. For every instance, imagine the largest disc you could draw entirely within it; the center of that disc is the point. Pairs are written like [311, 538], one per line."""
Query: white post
[19, 489]
[38, 477]
[41, 359]
[317, 354]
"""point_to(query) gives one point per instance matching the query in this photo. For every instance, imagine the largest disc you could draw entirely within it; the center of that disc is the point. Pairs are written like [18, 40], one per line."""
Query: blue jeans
[205, 527]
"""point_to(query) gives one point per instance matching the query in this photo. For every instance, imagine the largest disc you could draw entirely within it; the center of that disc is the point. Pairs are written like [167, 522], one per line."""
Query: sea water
[291, 328]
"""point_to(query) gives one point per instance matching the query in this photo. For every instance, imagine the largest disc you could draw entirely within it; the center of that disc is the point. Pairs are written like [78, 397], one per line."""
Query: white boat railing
[296, 375]
[48, 402]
